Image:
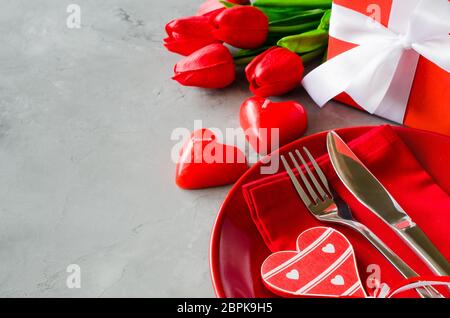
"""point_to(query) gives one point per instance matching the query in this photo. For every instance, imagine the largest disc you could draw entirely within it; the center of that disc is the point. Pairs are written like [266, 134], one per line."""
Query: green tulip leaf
[306, 57]
[243, 60]
[243, 57]
[313, 55]
[275, 13]
[294, 3]
[246, 53]
[304, 16]
[272, 39]
[325, 21]
[305, 42]
[293, 29]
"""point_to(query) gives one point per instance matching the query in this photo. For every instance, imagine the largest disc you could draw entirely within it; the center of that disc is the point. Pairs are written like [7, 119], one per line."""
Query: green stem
[294, 28]
[306, 58]
[302, 17]
[294, 3]
[310, 56]
[227, 4]
[305, 42]
[244, 60]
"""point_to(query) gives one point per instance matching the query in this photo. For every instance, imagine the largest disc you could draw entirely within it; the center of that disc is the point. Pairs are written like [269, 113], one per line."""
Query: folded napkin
[281, 216]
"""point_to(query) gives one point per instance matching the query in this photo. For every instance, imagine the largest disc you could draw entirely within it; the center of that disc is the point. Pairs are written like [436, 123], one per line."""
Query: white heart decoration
[329, 249]
[293, 274]
[323, 265]
[338, 280]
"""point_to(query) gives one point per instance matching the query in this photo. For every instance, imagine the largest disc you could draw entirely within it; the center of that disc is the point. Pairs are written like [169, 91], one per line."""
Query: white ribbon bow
[379, 73]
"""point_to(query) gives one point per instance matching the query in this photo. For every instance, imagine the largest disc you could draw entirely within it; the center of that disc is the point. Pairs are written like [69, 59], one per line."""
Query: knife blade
[373, 195]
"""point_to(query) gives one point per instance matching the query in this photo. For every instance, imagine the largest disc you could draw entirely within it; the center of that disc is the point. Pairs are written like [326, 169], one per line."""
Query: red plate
[237, 249]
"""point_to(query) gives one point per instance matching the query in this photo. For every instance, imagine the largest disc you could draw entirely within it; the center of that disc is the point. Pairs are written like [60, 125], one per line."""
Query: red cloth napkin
[281, 216]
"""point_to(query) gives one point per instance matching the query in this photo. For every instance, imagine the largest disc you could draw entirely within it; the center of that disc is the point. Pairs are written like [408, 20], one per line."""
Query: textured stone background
[86, 117]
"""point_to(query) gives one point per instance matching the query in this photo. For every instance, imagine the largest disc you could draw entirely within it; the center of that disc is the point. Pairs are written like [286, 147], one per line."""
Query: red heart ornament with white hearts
[258, 115]
[324, 265]
[206, 163]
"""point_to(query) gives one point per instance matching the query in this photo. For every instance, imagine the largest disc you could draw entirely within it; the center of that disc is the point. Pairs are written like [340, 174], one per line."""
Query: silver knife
[373, 195]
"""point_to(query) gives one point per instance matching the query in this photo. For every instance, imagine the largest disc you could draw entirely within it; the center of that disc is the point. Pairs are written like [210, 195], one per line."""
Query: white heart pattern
[329, 248]
[338, 280]
[293, 274]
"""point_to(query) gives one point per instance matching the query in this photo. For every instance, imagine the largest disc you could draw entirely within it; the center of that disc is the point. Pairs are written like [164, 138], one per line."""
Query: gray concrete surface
[86, 177]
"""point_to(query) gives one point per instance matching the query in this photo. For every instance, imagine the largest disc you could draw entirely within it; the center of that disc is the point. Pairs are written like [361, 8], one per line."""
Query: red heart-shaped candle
[324, 265]
[206, 163]
[258, 116]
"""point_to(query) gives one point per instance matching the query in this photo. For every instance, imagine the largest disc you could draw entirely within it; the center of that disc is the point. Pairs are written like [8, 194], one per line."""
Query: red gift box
[428, 106]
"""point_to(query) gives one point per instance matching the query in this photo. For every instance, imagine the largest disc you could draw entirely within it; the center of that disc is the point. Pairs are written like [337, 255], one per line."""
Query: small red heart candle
[206, 163]
[259, 115]
[324, 265]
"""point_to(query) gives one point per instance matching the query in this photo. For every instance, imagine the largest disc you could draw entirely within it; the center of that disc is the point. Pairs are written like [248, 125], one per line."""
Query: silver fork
[321, 203]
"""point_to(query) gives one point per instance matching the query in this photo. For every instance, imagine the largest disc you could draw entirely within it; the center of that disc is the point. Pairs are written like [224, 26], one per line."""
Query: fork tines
[315, 189]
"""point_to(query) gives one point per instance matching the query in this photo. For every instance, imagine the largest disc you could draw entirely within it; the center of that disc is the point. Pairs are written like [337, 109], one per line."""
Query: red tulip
[209, 67]
[213, 7]
[187, 35]
[244, 27]
[274, 72]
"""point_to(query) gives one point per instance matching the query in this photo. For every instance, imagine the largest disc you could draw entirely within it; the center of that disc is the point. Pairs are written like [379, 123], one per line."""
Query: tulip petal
[274, 89]
[209, 6]
[274, 72]
[250, 69]
[244, 27]
[207, 57]
[214, 77]
[209, 67]
[187, 35]
[186, 46]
